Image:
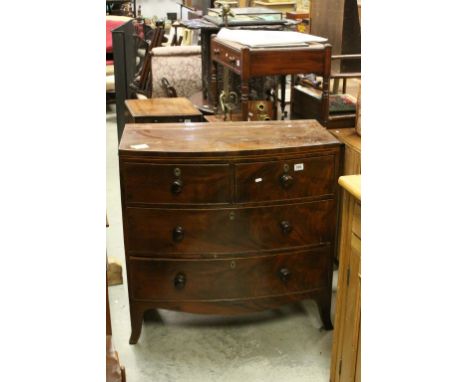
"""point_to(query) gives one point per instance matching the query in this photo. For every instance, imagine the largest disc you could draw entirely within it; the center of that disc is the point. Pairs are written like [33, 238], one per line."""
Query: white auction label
[140, 146]
[299, 167]
[257, 180]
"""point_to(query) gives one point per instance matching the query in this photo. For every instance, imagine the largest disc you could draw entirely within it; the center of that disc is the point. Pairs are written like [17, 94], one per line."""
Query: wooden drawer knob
[285, 274]
[176, 187]
[178, 233]
[286, 181]
[286, 226]
[180, 281]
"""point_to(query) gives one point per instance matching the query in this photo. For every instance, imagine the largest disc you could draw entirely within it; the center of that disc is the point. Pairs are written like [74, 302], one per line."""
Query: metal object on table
[227, 99]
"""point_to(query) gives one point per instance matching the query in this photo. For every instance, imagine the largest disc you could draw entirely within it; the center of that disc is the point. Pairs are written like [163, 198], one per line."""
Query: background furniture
[346, 351]
[338, 21]
[351, 163]
[248, 63]
[281, 6]
[180, 66]
[228, 218]
[352, 154]
[114, 7]
[308, 97]
[112, 22]
[125, 45]
[159, 110]
[207, 29]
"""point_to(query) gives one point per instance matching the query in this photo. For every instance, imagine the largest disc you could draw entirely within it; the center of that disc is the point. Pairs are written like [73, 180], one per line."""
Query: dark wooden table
[207, 29]
[158, 110]
[257, 62]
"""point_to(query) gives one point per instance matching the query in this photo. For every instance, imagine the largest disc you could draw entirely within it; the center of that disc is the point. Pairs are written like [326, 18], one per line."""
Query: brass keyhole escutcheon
[286, 167]
[232, 215]
[233, 264]
[177, 171]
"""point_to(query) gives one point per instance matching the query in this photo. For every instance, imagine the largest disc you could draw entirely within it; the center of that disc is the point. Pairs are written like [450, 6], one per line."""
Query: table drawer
[152, 232]
[286, 179]
[226, 56]
[236, 278]
[174, 183]
[169, 119]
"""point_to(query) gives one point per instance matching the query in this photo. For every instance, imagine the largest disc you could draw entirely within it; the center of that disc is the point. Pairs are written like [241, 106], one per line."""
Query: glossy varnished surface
[227, 218]
[240, 138]
[229, 230]
[155, 107]
[236, 278]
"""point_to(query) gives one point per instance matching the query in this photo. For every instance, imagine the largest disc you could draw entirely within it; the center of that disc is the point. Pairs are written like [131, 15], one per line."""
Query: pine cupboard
[346, 350]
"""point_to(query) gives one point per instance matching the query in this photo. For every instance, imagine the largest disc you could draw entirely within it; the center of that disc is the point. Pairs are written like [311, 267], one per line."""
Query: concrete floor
[274, 346]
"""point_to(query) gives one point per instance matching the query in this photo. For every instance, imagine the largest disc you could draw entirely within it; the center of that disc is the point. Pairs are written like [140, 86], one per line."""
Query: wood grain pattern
[352, 184]
[153, 183]
[234, 278]
[150, 232]
[226, 242]
[219, 139]
[345, 364]
[161, 107]
[307, 177]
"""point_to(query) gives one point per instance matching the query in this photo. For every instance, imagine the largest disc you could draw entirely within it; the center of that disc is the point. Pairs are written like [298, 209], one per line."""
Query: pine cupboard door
[345, 366]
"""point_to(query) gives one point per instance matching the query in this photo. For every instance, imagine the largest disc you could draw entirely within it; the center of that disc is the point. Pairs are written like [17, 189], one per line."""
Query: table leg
[245, 98]
[214, 85]
[283, 96]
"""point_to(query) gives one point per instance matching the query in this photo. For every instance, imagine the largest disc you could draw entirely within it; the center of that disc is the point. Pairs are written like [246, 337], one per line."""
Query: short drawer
[288, 179]
[228, 58]
[229, 279]
[151, 231]
[173, 183]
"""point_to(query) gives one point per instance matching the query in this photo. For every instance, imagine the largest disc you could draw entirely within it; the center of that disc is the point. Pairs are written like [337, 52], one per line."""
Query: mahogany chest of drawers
[228, 218]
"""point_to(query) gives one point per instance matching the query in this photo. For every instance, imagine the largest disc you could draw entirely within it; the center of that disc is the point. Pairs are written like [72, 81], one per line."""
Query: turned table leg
[214, 85]
[245, 99]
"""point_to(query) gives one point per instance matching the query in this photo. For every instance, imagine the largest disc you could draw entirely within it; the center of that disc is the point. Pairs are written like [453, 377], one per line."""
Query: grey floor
[281, 345]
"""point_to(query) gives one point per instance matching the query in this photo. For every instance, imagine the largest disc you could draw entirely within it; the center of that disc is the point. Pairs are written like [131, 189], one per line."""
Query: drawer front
[227, 57]
[288, 179]
[184, 184]
[150, 232]
[169, 119]
[229, 279]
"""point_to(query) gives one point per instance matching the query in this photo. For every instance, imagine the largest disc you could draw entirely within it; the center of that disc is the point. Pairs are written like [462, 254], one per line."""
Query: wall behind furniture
[159, 8]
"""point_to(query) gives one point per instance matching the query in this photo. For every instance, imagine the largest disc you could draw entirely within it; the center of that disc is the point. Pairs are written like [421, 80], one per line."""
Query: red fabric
[110, 25]
[109, 62]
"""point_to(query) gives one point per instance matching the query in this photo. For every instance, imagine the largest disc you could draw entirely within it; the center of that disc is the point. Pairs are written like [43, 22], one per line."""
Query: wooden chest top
[161, 107]
[224, 138]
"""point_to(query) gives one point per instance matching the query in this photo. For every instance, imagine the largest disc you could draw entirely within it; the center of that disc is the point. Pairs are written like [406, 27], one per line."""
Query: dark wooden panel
[275, 62]
[164, 119]
[230, 230]
[229, 279]
[159, 183]
[268, 181]
[219, 139]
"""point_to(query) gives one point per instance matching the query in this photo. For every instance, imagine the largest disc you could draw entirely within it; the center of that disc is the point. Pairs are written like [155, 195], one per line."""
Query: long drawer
[152, 231]
[284, 180]
[237, 278]
[175, 184]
